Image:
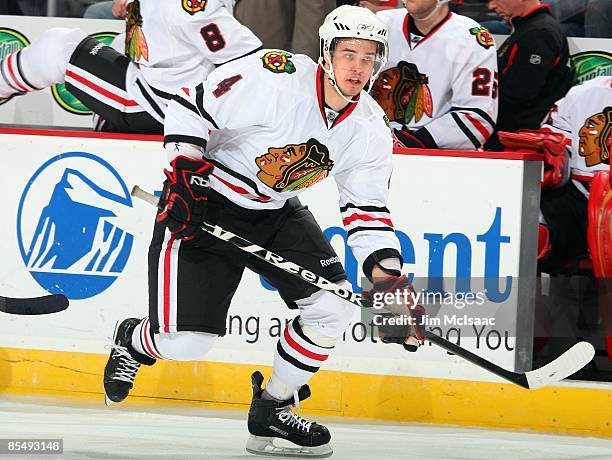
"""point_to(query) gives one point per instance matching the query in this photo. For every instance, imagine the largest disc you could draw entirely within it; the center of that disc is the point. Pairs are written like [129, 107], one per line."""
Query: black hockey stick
[565, 365]
[44, 305]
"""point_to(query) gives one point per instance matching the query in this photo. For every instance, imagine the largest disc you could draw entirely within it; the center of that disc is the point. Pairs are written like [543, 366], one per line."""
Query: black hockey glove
[184, 197]
[402, 326]
[421, 138]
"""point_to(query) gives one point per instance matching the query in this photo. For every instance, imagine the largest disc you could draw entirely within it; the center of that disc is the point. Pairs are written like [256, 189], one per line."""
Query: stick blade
[565, 365]
[44, 305]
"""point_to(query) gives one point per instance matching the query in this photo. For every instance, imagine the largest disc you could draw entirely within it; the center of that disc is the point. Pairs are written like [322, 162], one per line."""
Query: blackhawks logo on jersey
[135, 42]
[596, 138]
[403, 93]
[194, 6]
[483, 37]
[278, 62]
[295, 166]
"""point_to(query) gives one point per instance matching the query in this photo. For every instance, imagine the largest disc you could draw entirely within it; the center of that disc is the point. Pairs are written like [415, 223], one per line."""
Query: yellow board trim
[584, 411]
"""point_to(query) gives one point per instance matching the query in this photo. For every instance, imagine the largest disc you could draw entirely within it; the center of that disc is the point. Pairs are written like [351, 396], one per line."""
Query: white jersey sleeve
[473, 104]
[559, 118]
[215, 34]
[364, 192]
[229, 4]
[177, 43]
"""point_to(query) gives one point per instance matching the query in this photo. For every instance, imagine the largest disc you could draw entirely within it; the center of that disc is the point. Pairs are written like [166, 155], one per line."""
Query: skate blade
[260, 445]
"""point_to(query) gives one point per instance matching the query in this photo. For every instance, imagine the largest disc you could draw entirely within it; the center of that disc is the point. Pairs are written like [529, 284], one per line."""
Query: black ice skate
[123, 363]
[271, 419]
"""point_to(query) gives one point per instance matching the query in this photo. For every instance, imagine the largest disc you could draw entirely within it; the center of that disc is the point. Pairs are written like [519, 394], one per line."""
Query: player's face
[353, 61]
[507, 9]
[420, 8]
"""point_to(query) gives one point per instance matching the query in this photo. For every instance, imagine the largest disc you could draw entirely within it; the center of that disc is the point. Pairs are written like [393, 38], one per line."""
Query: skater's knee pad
[46, 59]
[185, 345]
[326, 314]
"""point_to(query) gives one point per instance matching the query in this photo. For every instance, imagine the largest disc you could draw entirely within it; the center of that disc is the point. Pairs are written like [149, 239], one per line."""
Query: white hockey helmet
[348, 21]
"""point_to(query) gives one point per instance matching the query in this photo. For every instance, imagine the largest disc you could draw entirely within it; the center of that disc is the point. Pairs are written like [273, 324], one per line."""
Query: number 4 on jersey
[226, 85]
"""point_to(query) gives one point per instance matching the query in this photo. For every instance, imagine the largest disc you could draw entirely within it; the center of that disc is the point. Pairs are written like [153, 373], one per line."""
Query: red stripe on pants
[99, 89]
[167, 275]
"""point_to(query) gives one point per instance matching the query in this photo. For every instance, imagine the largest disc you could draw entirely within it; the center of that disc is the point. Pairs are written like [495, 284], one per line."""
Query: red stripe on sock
[9, 62]
[300, 349]
[146, 329]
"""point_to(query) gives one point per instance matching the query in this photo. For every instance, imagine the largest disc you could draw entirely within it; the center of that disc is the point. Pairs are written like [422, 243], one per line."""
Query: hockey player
[575, 205]
[439, 87]
[579, 214]
[584, 119]
[254, 134]
[584, 116]
[171, 43]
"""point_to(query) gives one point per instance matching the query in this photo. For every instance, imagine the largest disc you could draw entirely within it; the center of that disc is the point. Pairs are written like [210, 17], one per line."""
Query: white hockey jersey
[264, 126]
[584, 116]
[441, 87]
[178, 42]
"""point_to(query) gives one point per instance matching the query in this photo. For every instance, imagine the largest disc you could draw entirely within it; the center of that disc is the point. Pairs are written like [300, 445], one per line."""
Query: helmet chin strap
[332, 77]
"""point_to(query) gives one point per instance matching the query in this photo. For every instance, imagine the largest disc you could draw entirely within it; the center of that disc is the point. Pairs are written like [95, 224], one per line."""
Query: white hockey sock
[278, 390]
[176, 346]
[143, 340]
[300, 352]
[41, 64]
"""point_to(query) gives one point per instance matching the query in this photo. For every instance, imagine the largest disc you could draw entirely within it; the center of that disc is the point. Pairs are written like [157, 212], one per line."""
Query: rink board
[63, 181]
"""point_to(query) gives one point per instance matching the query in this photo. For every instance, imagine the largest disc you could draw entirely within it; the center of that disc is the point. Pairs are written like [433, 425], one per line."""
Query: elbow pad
[183, 149]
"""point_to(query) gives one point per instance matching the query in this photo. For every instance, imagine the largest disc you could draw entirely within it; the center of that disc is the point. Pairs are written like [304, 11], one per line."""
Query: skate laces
[127, 367]
[290, 418]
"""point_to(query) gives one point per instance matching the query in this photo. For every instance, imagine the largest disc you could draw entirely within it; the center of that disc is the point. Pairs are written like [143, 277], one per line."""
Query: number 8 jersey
[439, 89]
[178, 42]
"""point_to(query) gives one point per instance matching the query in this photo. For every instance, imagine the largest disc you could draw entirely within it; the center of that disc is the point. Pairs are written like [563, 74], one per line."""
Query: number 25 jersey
[441, 87]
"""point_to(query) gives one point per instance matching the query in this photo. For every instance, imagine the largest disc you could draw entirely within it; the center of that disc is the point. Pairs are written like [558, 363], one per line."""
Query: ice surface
[169, 432]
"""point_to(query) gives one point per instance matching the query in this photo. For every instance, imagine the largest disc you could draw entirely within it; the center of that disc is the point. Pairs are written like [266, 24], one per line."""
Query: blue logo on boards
[68, 228]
